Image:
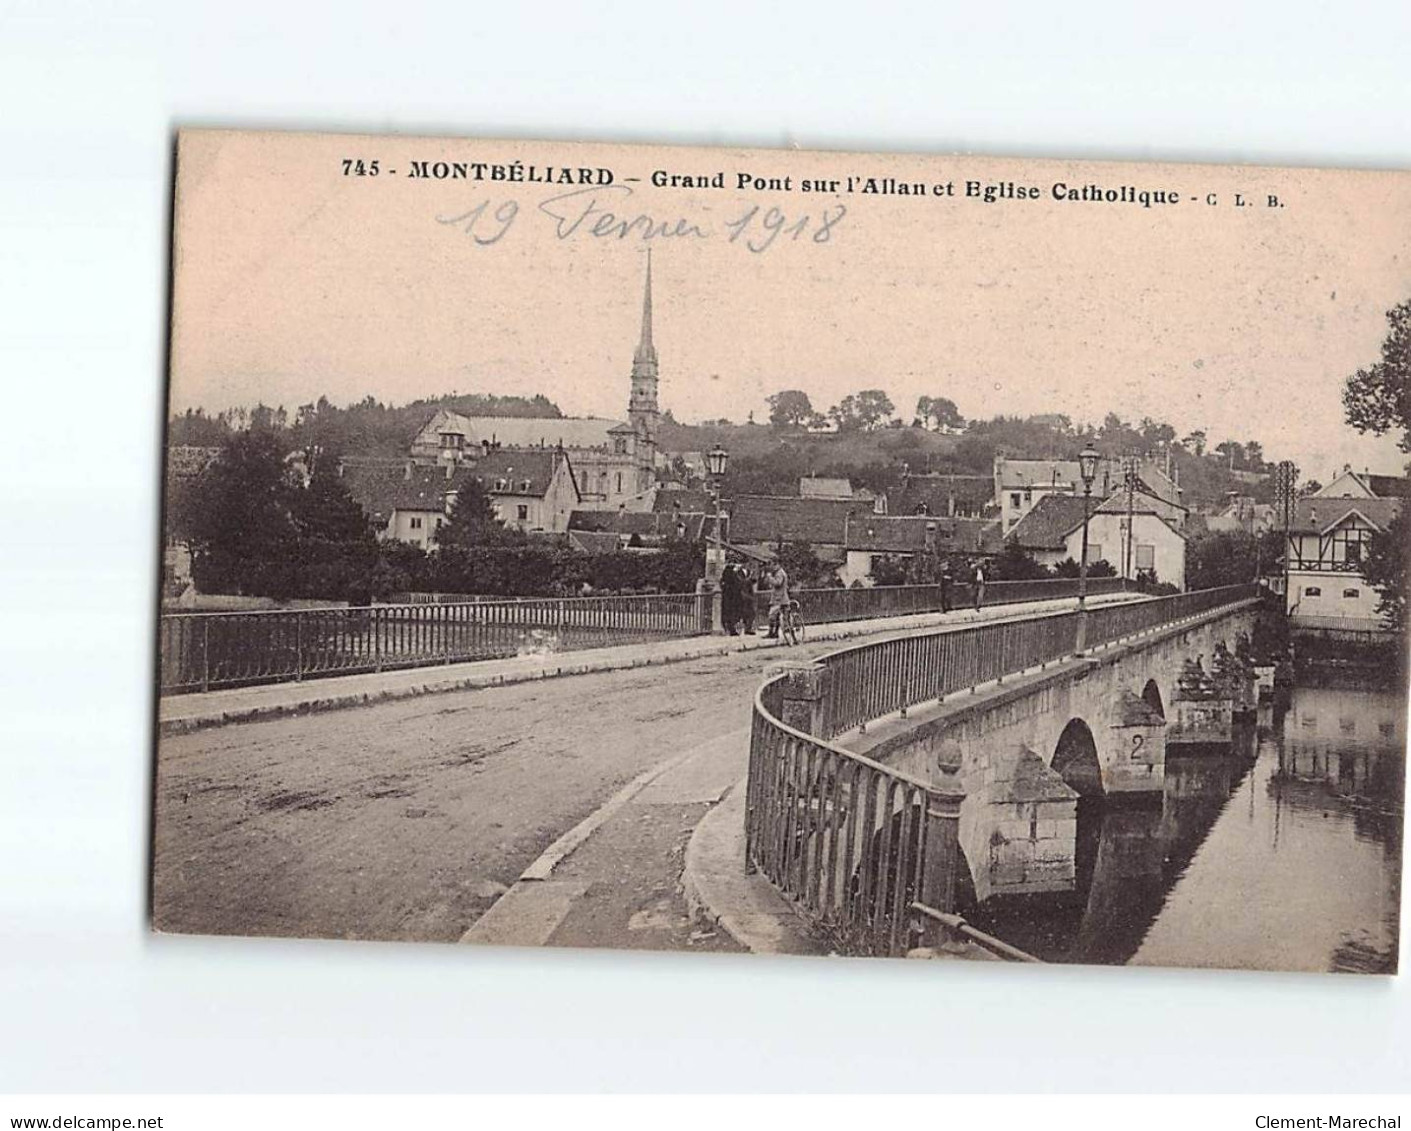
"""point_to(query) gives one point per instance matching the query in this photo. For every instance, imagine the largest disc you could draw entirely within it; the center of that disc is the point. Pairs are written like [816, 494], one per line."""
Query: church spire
[642, 404]
[646, 352]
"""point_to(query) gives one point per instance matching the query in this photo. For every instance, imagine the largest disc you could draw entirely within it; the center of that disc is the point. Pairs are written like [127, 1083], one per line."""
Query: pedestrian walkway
[661, 864]
[180, 713]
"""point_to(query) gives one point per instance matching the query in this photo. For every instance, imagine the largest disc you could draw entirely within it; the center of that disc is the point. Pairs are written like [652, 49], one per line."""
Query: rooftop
[906, 534]
[790, 518]
[1319, 513]
[522, 471]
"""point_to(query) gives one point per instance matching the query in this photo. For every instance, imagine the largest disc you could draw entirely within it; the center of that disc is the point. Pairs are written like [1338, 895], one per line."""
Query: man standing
[945, 588]
[747, 601]
[979, 586]
[778, 583]
[730, 599]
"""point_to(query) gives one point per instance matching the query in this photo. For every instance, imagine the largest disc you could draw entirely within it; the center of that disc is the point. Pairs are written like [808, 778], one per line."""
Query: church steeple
[642, 404]
[646, 351]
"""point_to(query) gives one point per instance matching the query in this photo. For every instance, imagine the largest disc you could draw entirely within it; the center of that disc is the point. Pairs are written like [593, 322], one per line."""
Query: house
[635, 528]
[817, 487]
[405, 501]
[1052, 532]
[870, 536]
[1242, 513]
[1349, 484]
[761, 523]
[969, 496]
[531, 489]
[1020, 484]
[1328, 537]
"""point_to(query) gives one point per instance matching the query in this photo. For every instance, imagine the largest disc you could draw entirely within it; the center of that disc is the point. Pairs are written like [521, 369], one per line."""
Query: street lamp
[1087, 467]
[716, 460]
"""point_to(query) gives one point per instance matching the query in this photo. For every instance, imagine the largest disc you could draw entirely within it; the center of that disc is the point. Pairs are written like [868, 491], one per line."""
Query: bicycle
[791, 626]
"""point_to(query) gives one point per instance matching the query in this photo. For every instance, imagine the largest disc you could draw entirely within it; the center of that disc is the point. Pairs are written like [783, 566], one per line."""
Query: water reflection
[1282, 854]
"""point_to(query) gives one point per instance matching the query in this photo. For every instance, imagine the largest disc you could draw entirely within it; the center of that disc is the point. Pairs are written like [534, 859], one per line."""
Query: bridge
[545, 798]
[883, 776]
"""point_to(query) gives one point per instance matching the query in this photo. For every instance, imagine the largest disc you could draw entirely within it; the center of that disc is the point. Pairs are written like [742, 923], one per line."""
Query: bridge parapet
[855, 840]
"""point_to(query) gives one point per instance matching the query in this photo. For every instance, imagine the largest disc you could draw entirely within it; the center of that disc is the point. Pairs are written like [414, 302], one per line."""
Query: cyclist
[777, 583]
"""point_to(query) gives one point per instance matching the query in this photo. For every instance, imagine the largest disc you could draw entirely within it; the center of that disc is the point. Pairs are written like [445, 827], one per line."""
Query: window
[1312, 591]
[619, 482]
[1352, 592]
[619, 445]
[523, 514]
[1348, 545]
[1094, 552]
[416, 522]
[1015, 500]
[1146, 556]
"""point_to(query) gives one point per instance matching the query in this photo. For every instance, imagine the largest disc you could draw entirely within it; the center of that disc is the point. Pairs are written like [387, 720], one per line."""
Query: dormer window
[524, 486]
[500, 484]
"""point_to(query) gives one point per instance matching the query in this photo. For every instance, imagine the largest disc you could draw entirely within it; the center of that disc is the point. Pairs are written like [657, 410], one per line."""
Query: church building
[613, 462]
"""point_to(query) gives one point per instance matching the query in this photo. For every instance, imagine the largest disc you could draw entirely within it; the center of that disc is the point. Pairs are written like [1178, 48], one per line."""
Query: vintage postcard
[784, 552]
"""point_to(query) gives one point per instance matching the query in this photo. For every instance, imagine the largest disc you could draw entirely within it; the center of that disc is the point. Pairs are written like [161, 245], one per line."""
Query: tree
[1230, 557]
[241, 527]
[1013, 563]
[473, 522]
[1232, 451]
[939, 412]
[1384, 566]
[1254, 455]
[805, 568]
[1378, 399]
[790, 408]
[1156, 433]
[862, 412]
[1195, 441]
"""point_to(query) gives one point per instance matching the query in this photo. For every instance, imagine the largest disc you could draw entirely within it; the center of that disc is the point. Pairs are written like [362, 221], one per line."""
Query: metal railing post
[942, 849]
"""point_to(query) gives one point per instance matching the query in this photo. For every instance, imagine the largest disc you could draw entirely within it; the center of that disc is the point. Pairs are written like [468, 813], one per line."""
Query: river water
[1282, 854]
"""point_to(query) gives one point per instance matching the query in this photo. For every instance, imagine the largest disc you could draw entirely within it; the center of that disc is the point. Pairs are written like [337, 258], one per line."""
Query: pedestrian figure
[979, 586]
[747, 600]
[730, 600]
[777, 583]
[945, 588]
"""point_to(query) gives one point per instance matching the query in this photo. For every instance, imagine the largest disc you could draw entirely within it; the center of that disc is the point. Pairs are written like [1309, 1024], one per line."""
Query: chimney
[407, 472]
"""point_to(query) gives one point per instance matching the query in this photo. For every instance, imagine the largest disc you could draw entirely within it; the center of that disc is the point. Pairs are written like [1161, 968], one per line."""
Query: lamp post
[716, 460]
[1087, 467]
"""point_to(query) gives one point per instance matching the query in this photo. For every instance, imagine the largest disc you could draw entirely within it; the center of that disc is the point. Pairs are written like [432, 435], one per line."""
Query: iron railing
[201, 651]
[826, 606]
[854, 843]
[843, 836]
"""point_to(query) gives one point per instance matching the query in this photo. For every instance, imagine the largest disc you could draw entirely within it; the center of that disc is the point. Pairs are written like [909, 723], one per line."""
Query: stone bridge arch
[1151, 696]
[1075, 759]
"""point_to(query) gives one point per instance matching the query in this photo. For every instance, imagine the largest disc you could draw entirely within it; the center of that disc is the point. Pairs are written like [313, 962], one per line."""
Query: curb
[717, 889]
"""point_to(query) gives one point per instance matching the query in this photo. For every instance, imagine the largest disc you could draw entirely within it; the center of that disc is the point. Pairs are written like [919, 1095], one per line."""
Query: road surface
[409, 819]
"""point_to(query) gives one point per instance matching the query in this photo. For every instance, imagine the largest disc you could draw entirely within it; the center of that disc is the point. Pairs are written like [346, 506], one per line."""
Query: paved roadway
[409, 819]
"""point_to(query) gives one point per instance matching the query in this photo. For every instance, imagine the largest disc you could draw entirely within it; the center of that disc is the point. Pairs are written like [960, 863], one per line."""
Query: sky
[297, 278]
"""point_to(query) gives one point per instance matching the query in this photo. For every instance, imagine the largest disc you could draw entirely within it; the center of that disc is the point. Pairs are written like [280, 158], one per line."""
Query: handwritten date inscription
[605, 212]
